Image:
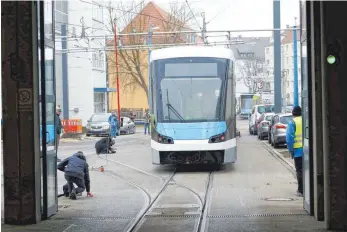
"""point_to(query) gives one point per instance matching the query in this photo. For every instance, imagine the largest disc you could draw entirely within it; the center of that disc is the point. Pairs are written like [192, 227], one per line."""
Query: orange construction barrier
[72, 126]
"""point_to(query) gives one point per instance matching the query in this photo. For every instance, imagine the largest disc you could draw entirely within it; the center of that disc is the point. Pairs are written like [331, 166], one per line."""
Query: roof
[192, 51]
[255, 45]
[153, 15]
[288, 36]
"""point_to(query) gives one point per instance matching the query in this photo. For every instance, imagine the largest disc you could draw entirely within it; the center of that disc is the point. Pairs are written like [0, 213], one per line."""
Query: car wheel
[134, 130]
[261, 137]
[275, 145]
[128, 131]
[88, 135]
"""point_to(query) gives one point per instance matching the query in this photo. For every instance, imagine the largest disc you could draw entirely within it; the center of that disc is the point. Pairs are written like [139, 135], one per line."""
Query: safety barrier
[72, 126]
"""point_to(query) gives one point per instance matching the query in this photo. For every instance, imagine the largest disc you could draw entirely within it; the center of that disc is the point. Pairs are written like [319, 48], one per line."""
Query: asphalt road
[257, 193]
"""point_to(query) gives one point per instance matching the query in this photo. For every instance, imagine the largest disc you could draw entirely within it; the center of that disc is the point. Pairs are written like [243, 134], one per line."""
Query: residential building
[251, 69]
[287, 65]
[81, 76]
[133, 65]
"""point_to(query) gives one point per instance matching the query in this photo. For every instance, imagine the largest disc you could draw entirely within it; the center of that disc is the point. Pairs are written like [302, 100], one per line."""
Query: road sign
[25, 99]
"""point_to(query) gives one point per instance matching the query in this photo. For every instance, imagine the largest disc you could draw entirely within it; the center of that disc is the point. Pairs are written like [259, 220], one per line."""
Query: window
[267, 109]
[99, 102]
[286, 119]
[98, 60]
[98, 12]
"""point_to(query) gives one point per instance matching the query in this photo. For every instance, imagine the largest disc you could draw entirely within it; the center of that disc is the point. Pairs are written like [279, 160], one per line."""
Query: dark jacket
[103, 145]
[58, 125]
[77, 166]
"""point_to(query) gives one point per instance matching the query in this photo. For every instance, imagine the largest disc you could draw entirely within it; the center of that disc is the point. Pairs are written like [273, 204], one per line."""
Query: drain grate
[173, 216]
[259, 215]
[92, 218]
[278, 199]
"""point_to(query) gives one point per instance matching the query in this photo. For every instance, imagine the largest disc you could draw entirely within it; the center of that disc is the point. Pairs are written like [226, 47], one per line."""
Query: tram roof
[192, 51]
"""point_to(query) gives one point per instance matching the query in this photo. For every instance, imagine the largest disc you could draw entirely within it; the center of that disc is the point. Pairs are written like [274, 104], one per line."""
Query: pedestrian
[132, 116]
[295, 146]
[58, 127]
[147, 121]
[76, 172]
[113, 121]
[104, 146]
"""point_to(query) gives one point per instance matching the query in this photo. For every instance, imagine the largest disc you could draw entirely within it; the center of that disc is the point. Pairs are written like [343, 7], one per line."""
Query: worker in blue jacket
[113, 121]
[295, 145]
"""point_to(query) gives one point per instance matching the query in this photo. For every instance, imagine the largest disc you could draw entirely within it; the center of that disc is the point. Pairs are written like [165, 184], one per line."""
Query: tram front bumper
[194, 152]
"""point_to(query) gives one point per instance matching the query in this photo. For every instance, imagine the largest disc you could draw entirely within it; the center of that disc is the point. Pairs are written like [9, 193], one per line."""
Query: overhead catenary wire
[197, 22]
[187, 32]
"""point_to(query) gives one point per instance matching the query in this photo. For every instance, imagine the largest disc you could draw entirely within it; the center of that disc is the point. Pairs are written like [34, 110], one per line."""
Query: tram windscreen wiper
[170, 107]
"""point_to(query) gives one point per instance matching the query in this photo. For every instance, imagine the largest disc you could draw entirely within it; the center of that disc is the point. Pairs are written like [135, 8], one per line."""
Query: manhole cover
[279, 199]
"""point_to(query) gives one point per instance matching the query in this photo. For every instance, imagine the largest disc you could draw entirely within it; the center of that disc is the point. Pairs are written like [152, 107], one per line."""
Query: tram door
[307, 159]
[49, 198]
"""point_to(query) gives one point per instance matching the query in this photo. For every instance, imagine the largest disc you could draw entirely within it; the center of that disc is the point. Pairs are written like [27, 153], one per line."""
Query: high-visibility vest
[298, 132]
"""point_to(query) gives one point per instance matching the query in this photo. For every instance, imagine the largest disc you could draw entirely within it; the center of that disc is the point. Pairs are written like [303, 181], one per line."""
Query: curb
[279, 155]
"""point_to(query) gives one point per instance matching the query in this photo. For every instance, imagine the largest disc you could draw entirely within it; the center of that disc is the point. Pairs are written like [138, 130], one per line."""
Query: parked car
[127, 126]
[263, 126]
[98, 125]
[257, 110]
[277, 133]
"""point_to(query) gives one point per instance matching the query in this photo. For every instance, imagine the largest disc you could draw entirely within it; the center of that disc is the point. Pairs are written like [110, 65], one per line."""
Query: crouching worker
[104, 146]
[76, 172]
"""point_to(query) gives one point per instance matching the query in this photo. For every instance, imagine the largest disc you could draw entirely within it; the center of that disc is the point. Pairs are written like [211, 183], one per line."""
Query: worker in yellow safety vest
[294, 144]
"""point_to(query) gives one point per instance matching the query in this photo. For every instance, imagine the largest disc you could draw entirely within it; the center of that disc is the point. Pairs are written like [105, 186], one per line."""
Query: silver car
[127, 126]
[263, 127]
[98, 125]
[278, 129]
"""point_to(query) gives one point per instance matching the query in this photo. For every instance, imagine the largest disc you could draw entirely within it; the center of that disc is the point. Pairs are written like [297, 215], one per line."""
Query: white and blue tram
[193, 105]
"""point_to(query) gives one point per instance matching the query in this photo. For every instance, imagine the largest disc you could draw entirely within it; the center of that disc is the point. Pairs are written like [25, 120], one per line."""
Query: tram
[193, 105]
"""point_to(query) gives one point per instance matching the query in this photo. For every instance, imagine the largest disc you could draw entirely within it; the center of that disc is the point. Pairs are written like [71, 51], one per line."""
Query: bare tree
[251, 71]
[133, 64]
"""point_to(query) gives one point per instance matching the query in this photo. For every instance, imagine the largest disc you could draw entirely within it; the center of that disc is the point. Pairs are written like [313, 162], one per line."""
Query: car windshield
[286, 119]
[99, 118]
[268, 118]
[266, 109]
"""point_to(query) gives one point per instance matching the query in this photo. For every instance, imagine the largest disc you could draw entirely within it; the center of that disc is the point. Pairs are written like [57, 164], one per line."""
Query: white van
[257, 110]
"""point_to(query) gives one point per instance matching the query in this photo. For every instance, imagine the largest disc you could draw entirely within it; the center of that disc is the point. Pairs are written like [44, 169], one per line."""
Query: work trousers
[71, 180]
[298, 167]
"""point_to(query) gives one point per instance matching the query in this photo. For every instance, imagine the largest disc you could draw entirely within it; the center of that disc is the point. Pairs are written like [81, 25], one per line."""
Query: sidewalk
[283, 155]
[114, 205]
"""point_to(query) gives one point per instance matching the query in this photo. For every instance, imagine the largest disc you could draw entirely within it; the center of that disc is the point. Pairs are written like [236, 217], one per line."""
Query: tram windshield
[192, 92]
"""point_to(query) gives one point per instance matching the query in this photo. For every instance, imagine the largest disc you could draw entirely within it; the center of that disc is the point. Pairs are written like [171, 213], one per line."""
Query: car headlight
[217, 138]
[88, 127]
[165, 139]
[106, 127]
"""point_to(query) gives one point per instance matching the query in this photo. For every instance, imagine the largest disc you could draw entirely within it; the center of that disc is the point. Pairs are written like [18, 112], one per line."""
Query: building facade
[81, 76]
[287, 66]
[133, 64]
[251, 69]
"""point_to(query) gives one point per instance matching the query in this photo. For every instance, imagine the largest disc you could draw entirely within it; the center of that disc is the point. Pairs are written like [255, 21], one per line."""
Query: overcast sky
[241, 14]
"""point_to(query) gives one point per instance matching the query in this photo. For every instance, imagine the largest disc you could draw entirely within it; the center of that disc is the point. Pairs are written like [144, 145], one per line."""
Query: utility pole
[117, 74]
[277, 55]
[295, 61]
[203, 27]
[229, 39]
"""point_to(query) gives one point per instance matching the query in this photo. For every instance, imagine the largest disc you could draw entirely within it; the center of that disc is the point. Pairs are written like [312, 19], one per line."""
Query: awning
[103, 90]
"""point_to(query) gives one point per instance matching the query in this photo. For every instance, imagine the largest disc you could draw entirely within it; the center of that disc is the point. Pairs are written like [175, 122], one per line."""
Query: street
[258, 193]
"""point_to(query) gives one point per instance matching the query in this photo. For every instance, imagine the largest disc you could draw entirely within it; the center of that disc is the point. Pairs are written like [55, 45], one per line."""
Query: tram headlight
[165, 139]
[217, 138]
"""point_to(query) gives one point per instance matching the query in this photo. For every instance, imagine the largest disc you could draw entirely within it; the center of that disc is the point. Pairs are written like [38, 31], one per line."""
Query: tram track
[135, 224]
